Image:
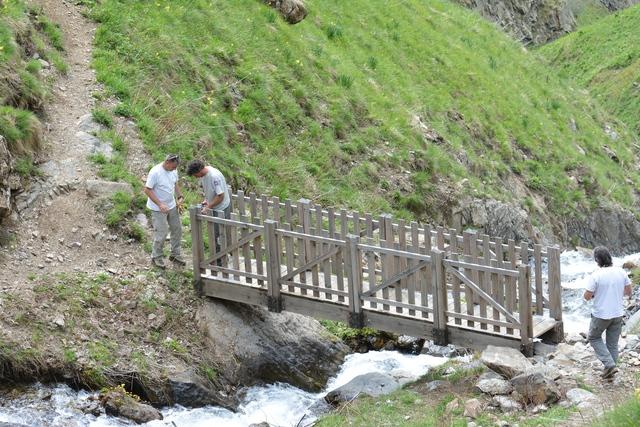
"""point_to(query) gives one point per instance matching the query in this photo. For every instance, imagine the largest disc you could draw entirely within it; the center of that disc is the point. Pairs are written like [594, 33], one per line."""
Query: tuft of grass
[342, 331]
[626, 414]
[25, 167]
[103, 117]
[21, 129]
[334, 31]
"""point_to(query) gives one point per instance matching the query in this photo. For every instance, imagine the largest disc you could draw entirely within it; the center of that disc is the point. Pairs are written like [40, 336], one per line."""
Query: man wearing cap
[216, 192]
[161, 188]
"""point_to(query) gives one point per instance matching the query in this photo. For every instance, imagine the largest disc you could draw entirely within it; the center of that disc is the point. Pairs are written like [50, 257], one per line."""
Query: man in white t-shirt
[216, 193]
[607, 287]
[161, 189]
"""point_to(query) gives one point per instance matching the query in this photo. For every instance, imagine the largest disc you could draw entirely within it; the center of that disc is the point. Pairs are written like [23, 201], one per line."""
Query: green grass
[21, 129]
[342, 331]
[326, 109]
[103, 117]
[605, 58]
[25, 167]
[626, 414]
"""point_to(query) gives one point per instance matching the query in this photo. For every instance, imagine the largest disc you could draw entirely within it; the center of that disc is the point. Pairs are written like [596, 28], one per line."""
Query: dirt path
[61, 230]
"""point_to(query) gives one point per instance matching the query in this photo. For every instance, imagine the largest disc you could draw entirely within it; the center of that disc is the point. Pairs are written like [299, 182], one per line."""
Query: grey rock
[142, 220]
[494, 218]
[187, 389]
[531, 22]
[472, 408]
[543, 349]
[573, 338]
[373, 384]
[94, 145]
[105, 189]
[488, 374]
[118, 404]
[579, 396]
[494, 386]
[435, 385]
[449, 350]
[506, 404]
[612, 226]
[407, 344]
[508, 362]
[256, 346]
[88, 125]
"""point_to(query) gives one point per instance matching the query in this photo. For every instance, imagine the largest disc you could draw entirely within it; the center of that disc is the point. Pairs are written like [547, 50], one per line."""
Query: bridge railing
[305, 217]
[380, 269]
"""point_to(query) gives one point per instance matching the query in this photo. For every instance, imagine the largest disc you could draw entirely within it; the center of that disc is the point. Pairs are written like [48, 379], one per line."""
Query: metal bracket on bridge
[440, 336]
[275, 304]
[356, 320]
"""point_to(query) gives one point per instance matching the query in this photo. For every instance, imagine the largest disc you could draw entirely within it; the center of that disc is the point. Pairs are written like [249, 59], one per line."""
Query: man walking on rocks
[216, 192]
[607, 287]
[161, 189]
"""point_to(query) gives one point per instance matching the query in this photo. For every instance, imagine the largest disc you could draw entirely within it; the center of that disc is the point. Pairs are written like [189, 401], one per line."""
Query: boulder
[612, 226]
[411, 345]
[494, 218]
[581, 398]
[293, 11]
[373, 384]
[536, 387]
[488, 374]
[472, 408]
[254, 345]
[508, 362]
[187, 389]
[506, 403]
[542, 349]
[105, 189]
[118, 403]
[449, 350]
[494, 386]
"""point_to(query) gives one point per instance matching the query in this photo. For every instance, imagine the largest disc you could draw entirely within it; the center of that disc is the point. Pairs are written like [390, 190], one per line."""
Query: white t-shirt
[607, 285]
[213, 184]
[163, 184]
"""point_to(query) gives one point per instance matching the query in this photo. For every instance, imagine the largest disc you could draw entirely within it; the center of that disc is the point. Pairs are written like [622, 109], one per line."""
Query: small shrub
[33, 66]
[103, 117]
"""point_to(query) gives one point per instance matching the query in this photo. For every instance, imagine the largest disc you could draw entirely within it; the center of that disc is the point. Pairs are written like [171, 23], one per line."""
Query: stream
[277, 404]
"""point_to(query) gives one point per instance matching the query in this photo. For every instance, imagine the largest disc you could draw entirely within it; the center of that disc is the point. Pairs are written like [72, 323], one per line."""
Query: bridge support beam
[440, 336]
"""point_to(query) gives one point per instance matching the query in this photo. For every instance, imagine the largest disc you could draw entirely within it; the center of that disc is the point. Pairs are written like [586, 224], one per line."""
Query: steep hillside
[28, 43]
[419, 109]
[605, 58]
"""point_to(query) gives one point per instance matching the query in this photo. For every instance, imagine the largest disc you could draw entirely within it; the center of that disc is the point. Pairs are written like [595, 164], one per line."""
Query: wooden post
[439, 297]
[353, 266]
[555, 292]
[274, 301]
[537, 259]
[197, 248]
[304, 215]
[526, 319]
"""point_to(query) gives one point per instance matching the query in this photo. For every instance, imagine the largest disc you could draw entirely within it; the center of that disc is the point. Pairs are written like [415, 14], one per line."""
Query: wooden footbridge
[469, 289]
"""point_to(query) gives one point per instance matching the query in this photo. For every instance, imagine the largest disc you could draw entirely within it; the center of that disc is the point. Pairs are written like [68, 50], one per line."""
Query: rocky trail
[60, 227]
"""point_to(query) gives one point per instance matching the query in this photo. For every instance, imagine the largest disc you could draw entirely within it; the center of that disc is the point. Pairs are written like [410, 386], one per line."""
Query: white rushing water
[281, 404]
[278, 404]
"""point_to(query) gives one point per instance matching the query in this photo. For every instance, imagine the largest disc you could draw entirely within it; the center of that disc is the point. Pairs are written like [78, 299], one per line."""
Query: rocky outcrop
[293, 11]
[614, 227]
[494, 218]
[529, 21]
[11, 183]
[508, 362]
[254, 345]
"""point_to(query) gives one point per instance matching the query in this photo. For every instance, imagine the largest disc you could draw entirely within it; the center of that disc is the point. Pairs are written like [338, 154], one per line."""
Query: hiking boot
[609, 372]
[158, 262]
[177, 259]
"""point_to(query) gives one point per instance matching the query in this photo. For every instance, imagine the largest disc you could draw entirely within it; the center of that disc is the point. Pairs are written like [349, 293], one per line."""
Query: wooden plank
[555, 283]
[386, 228]
[394, 252]
[396, 277]
[246, 249]
[233, 249]
[399, 324]
[524, 298]
[469, 297]
[537, 259]
[455, 291]
[273, 259]
[300, 257]
[393, 303]
[325, 247]
[426, 274]
[371, 272]
[453, 240]
[229, 290]
[354, 274]
[306, 287]
[475, 339]
[440, 238]
[197, 244]
[308, 237]
[311, 307]
[399, 263]
[304, 216]
[412, 283]
[368, 219]
[355, 219]
[544, 326]
[496, 323]
[276, 207]
[228, 271]
[496, 285]
[289, 251]
[211, 240]
[439, 280]
[337, 260]
[314, 251]
[264, 202]
[511, 283]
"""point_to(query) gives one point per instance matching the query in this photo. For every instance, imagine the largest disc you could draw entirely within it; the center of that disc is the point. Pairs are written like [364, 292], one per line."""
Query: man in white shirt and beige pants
[161, 189]
[607, 287]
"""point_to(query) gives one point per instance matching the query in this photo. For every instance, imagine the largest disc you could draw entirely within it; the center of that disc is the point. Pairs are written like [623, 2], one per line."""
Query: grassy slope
[24, 32]
[605, 58]
[323, 109]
